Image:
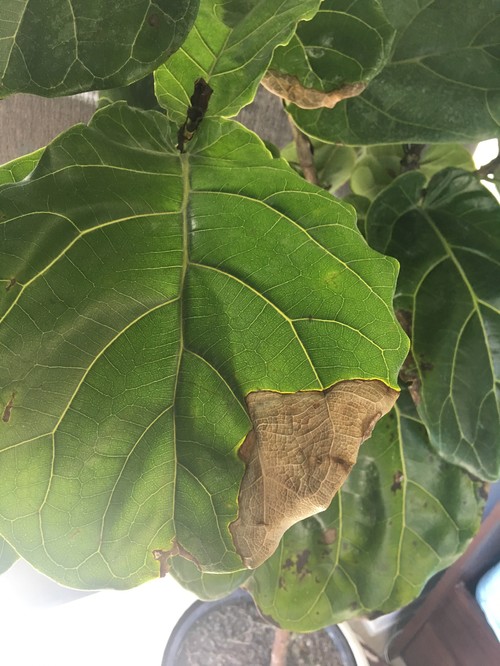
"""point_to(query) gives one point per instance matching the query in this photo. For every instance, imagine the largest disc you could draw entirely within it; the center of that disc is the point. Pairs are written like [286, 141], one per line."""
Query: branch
[304, 154]
[412, 154]
[486, 172]
[280, 647]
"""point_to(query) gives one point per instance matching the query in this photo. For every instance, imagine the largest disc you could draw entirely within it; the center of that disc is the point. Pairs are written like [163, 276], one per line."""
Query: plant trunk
[280, 647]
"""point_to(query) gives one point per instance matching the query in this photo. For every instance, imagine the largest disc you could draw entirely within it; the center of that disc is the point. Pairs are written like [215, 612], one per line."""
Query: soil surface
[236, 635]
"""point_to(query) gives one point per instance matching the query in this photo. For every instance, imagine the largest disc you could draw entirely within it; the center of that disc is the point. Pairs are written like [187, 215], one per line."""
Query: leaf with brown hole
[382, 545]
[299, 453]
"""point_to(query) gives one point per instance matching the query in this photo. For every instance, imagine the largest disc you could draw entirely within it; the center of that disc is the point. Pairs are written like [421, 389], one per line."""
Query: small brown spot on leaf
[329, 536]
[11, 283]
[299, 456]
[154, 20]
[290, 88]
[288, 564]
[302, 560]
[484, 490]
[397, 481]
[281, 583]
[7, 412]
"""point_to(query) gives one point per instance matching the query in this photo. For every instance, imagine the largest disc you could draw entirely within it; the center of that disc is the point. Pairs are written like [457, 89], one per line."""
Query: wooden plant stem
[487, 169]
[304, 154]
[280, 647]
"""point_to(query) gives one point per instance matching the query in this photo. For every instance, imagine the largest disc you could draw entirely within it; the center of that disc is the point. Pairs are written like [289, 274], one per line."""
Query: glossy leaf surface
[56, 47]
[447, 239]
[442, 82]
[346, 42]
[402, 515]
[230, 46]
[149, 293]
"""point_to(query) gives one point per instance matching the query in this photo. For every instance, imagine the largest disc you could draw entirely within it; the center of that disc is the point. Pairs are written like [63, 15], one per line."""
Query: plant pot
[231, 632]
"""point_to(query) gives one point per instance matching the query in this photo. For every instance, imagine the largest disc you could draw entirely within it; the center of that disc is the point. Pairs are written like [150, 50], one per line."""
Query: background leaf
[402, 515]
[57, 47]
[377, 167]
[230, 46]
[447, 239]
[346, 42]
[206, 586]
[150, 292]
[442, 83]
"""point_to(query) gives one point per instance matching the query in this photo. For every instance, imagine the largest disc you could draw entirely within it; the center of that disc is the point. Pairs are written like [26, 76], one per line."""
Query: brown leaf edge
[289, 87]
[298, 454]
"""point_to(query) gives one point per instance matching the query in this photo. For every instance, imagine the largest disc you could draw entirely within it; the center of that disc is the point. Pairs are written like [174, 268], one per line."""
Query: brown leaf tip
[289, 87]
[303, 446]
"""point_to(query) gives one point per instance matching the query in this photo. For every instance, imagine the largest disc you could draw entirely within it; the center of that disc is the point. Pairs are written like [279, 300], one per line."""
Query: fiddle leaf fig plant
[196, 342]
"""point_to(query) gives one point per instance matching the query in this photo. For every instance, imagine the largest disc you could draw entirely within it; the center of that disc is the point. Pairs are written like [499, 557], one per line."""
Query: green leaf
[334, 164]
[230, 46]
[58, 47]
[402, 515]
[438, 157]
[150, 293]
[442, 82]
[447, 240]
[140, 94]
[345, 43]
[7, 556]
[14, 171]
[380, 165]
[206, 586]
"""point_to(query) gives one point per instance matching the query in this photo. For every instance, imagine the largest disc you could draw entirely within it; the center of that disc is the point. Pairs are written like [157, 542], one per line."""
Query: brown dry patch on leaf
[397, 480]
[299, 453]
[164, 557]
[290, 88]
[7, 412]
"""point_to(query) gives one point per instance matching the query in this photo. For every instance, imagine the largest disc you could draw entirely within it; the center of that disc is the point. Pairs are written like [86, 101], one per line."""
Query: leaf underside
[146, 294]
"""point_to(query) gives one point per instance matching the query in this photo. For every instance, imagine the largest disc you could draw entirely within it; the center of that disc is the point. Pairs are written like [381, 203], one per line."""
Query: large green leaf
[402, 515]
[56, 47]
[149, 293]
[346, 43]
[447, 239]
[442, 82]
[379, 165]
[230, 46]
